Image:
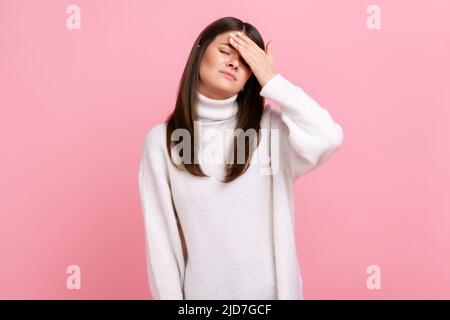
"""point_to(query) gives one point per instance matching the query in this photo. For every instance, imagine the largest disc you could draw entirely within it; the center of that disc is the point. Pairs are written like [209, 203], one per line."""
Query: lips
[230, 74]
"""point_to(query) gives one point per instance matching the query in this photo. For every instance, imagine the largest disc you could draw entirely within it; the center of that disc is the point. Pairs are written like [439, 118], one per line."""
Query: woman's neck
[209, 109]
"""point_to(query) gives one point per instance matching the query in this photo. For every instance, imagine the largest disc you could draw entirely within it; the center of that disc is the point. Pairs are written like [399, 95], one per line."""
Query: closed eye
[242, 60]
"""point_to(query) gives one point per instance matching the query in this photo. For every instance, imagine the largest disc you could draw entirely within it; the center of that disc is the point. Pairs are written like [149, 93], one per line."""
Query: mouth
[228, 75]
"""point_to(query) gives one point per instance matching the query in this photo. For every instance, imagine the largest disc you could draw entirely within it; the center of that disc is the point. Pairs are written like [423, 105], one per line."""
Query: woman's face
[220, 56]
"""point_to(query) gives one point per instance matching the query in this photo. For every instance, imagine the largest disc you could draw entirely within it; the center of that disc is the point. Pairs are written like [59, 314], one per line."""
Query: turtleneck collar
[209, 109]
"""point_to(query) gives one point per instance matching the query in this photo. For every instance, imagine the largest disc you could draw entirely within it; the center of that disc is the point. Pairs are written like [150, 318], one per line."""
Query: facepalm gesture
[260, 61]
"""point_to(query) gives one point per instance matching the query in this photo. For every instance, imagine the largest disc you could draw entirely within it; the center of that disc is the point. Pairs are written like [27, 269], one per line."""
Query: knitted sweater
[206, 239]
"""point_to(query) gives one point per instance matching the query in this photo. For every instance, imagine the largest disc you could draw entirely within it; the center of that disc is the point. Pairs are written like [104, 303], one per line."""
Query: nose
[234, 63]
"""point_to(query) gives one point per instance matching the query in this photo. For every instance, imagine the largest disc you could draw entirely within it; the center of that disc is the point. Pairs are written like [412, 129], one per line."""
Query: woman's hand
[259, 61]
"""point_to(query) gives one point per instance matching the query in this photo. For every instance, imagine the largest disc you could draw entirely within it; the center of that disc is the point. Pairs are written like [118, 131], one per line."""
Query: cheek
[209, 61]
[215, 60]
[207, 68]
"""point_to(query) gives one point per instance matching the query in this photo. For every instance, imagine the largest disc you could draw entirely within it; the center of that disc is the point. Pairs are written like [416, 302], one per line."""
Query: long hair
[250, 102]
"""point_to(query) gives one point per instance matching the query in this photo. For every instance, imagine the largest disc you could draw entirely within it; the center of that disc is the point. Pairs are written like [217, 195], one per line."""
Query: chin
[225, 89]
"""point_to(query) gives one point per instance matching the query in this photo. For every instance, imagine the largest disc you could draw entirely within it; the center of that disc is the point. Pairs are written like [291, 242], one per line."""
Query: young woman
[227, 230]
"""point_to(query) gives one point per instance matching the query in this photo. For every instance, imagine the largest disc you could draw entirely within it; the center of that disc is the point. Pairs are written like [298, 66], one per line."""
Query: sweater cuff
[275, 88]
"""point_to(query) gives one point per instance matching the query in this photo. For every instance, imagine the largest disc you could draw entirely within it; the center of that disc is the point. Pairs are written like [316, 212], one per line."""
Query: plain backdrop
[76, 105]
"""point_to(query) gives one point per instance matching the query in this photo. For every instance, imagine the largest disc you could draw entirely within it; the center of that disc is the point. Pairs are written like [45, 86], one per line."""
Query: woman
[227, 231]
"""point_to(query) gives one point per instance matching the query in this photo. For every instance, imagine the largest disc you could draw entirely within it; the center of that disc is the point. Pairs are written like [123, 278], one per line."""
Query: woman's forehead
[224, 36]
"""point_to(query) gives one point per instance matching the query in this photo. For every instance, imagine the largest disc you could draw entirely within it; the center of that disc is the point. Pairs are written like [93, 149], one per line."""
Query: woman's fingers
[241, 43]
[250, 43]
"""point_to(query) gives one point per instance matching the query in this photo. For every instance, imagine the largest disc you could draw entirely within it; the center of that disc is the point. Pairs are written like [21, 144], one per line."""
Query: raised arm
[308, 134]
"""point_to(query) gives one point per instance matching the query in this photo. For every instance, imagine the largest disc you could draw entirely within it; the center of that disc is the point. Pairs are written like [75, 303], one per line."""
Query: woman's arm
[165, 261]
[308, 134]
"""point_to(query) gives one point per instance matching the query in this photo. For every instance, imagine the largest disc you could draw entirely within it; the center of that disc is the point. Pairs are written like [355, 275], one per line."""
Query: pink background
[76, 105]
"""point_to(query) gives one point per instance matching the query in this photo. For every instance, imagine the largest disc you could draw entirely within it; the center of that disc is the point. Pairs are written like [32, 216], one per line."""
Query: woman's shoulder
[156, 136]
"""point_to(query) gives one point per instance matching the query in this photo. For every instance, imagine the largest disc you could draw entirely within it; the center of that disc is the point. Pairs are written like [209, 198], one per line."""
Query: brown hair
[250, 102]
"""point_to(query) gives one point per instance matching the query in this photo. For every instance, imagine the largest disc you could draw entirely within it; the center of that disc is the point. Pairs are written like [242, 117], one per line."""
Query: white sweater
[206, 239]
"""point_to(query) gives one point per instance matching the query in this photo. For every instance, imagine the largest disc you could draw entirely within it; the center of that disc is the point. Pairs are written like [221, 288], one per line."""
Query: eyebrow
[228, 45]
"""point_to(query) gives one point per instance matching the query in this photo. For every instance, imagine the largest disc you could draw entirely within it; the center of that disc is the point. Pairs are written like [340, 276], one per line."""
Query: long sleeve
[165, 260]
[312, 135]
